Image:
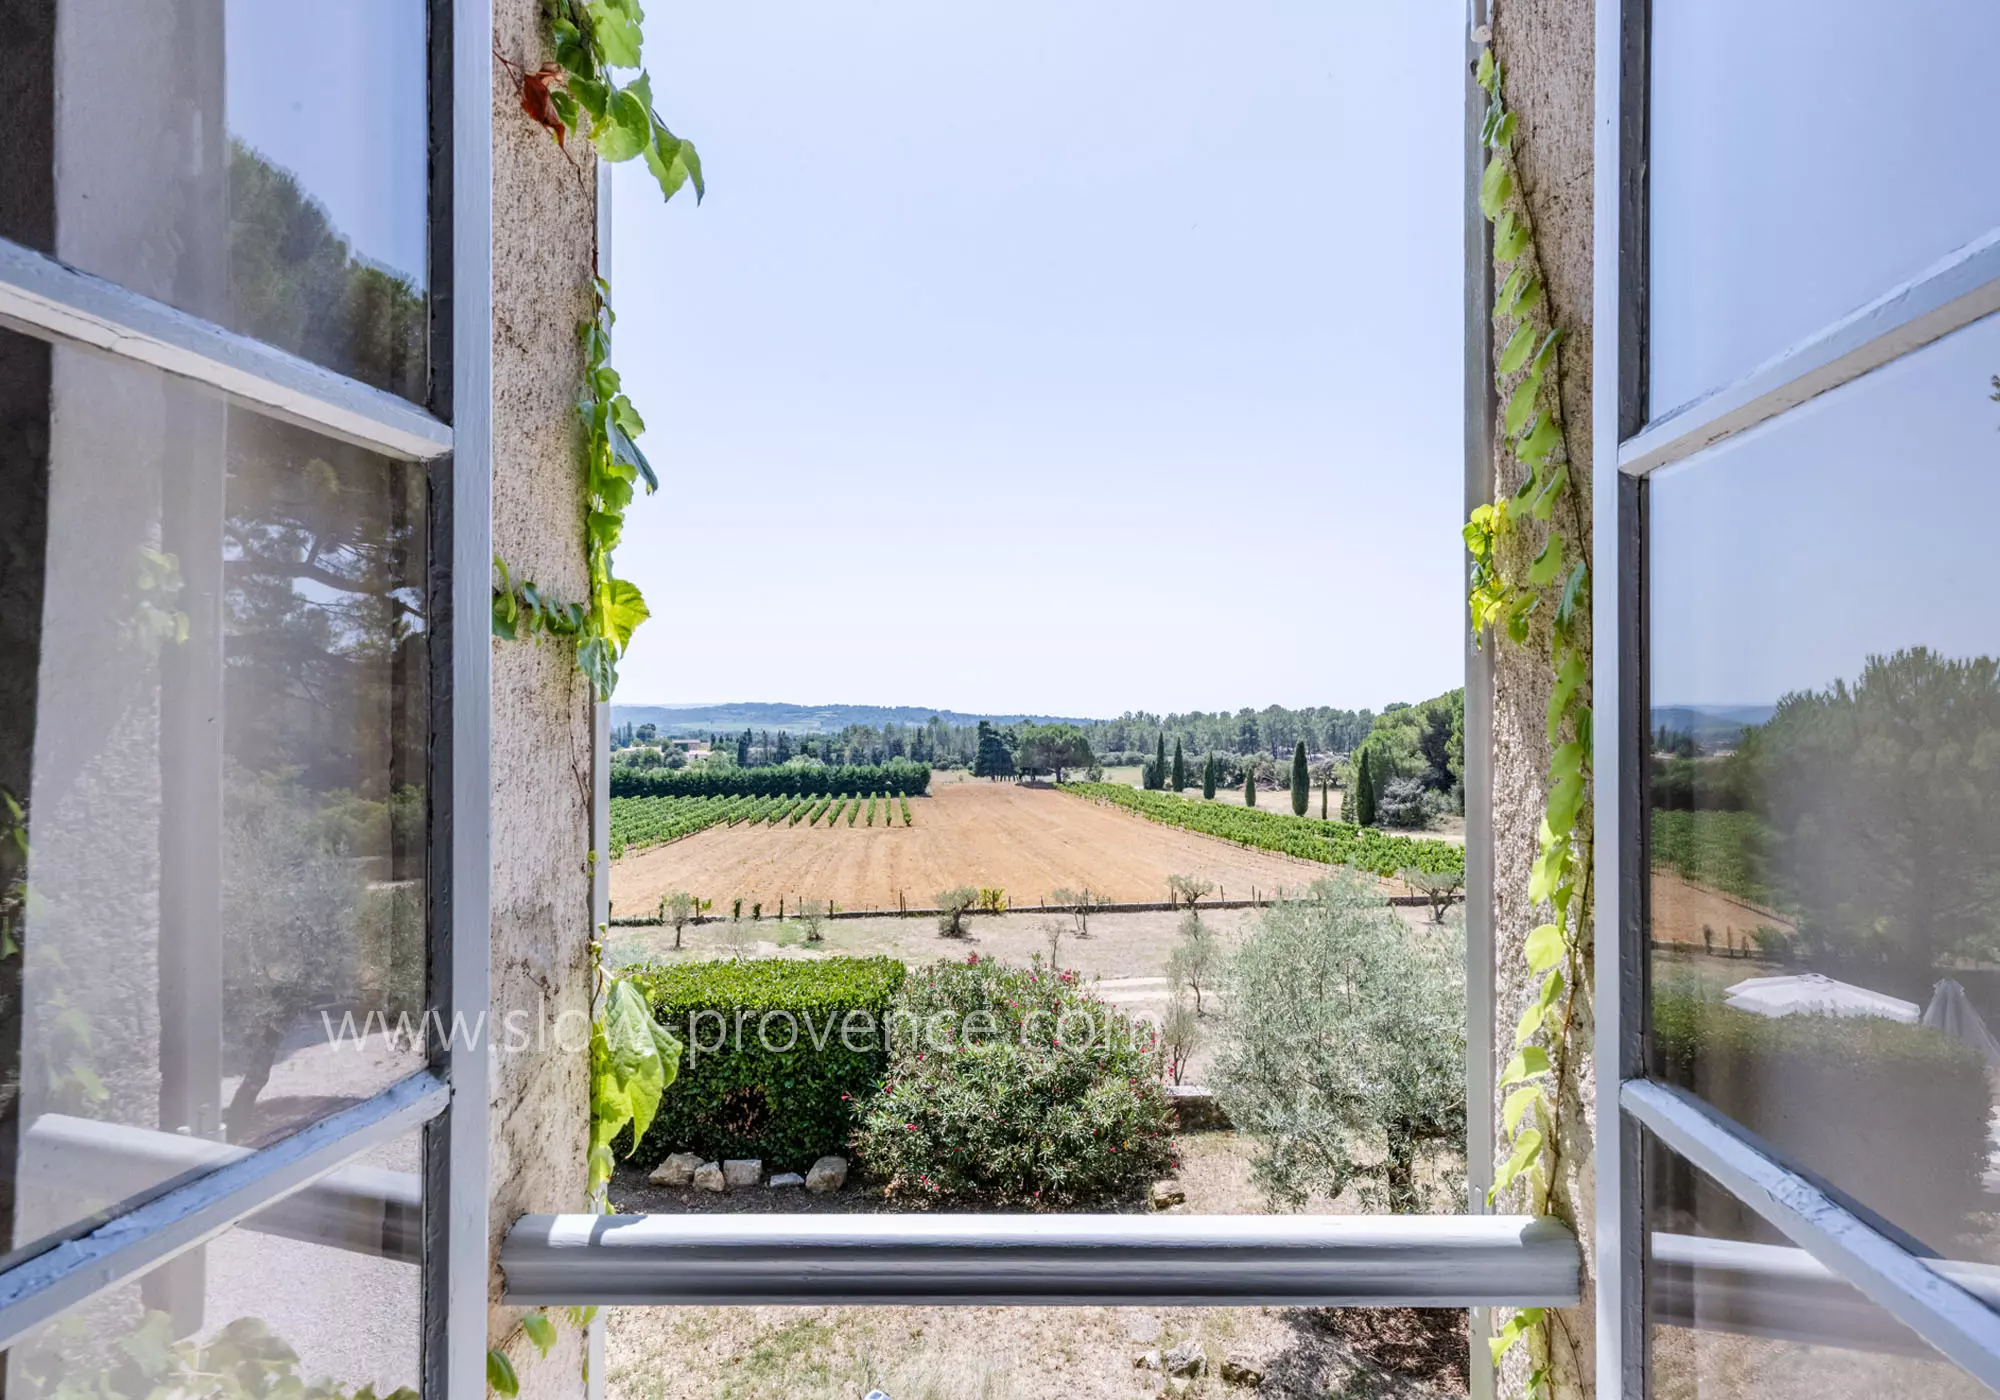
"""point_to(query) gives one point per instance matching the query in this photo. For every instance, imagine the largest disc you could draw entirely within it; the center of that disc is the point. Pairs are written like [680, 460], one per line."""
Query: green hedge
[899, 776]
[1892, 1114]
[752, 1095]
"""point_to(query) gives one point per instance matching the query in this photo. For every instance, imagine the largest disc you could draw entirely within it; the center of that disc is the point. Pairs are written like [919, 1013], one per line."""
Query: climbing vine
[1507, 598]
[578, 94]
[633, 1059]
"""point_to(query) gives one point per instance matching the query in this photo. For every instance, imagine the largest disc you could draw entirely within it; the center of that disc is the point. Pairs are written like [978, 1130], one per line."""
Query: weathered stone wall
[1547, 47]
[544, 233]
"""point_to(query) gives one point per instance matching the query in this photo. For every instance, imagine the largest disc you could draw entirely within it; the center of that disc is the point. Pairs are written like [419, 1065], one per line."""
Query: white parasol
[1815, 994]
[1951, 1012]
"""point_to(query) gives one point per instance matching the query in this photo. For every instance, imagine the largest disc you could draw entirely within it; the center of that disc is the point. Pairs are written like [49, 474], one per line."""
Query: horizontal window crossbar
[1916, 1292]
[1953, 293]
[1781, 1292]
[365, 1210]
[42, 1287]
[1042, 1260]
[47, 298]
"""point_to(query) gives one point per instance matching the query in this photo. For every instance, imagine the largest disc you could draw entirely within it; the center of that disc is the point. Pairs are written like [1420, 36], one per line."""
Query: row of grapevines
[1334, 843]
[639, 822]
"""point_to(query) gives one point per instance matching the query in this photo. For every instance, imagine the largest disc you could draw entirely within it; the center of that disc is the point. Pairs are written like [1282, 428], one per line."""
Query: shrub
[1039, 1096]
[738, 1097]
[992, 900]
[1835, 1095]
[1405, 802]
[951, 906]
[1346, 1058]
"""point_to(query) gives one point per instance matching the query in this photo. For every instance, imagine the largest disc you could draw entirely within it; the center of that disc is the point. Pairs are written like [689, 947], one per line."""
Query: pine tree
[1364, 793]
[1208, 777]
[1301, 780]
[1180, 769]
[1250, 783]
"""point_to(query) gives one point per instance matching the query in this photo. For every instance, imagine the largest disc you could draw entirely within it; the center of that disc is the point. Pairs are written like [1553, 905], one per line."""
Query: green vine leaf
[540, 1330]
[1495, 186]
[1520, 345]
[1529, 1061]
[500, 1375]
[1548, 563]
[1510, 237]
[1545, 948]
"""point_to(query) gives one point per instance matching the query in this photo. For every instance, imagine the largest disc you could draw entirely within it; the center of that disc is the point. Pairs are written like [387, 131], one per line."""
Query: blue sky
[1049, 357]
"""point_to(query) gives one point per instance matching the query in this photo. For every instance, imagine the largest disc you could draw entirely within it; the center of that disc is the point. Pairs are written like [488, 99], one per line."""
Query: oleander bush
[1015, 1087]
[777, 1055]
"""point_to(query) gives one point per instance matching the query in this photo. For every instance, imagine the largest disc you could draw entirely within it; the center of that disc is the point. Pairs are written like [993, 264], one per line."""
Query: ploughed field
[1028, 841]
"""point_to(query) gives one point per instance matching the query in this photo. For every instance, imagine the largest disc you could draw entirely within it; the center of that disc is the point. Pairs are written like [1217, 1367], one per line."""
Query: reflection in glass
[322, 1288]
[1825, 789]
[264, 165]
[1759, 156]
[1733, 1318]
[217, 719]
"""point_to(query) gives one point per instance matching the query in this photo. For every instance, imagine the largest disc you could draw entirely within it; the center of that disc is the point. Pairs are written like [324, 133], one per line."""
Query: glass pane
[216, 721]
[1734, 1317]
[1825, 787]
[322, 1288]
[259, 163]
[1768, 137]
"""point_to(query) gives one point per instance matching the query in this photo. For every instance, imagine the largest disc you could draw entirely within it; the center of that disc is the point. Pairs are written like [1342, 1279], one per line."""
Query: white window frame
[448, 1099]
[1946, 1304]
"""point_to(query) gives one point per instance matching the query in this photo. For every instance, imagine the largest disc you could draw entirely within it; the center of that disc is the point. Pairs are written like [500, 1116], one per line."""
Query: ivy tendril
[1557, 580]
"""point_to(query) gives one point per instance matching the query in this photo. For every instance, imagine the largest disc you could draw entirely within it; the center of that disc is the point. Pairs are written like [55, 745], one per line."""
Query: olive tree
[1081, 904]
[1196, 961]
[1345, 1058]
[951, 907]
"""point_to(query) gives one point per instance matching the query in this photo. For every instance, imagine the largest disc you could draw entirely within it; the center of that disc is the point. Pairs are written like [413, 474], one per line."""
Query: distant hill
[1711, 723]
[800, 719]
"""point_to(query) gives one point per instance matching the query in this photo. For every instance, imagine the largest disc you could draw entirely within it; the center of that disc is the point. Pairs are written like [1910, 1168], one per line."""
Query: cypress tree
[1180, 769]
[1301, 780]
[1208, 777]
[1250, 783]
[1364, 793]
[1160, 762]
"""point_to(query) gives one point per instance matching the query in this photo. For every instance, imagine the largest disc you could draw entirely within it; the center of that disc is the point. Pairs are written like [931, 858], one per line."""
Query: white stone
[1186, 1359]
[785, 1179]
[677, 1170]
[743, 1171]
[1146, 1361]
[827, 1174]
[708, 1176]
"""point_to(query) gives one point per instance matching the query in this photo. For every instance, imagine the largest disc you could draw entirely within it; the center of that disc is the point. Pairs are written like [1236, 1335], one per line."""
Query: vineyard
[641, 822]
[896, 778]
[1715, 850]
[1308, 838]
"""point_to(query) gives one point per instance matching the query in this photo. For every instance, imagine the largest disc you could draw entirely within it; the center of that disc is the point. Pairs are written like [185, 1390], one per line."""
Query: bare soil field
[1025, 840]
[1682, 910]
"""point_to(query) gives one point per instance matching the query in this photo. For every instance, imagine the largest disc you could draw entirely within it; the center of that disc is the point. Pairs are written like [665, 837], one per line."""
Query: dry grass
[1019, 1353]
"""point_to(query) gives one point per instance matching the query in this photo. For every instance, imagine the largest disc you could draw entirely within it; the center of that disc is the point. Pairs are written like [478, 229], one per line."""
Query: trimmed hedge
[739, 1094]
[1892, 1114]
[899, 776]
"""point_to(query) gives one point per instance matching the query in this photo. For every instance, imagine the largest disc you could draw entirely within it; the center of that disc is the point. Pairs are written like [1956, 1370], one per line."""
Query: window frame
[1950, 294]
[451, 438]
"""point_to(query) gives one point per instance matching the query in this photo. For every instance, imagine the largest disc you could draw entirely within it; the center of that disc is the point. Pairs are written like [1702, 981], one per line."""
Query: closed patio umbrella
[1815, 994]
[1951, 1011]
